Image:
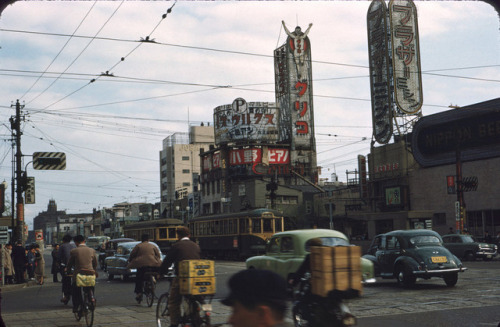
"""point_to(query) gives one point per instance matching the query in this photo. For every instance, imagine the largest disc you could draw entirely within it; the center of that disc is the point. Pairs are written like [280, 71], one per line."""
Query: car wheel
[405, 276]
[451, 279]
[110, 276]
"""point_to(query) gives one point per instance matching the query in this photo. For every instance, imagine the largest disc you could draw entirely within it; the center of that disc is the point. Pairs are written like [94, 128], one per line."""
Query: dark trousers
[139, 278]
[76, 293]
[66, 284]
[19, 270]
[54, 277]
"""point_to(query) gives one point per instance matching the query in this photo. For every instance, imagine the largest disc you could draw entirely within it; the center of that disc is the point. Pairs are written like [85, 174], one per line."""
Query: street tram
[160, 231]
[235, 236]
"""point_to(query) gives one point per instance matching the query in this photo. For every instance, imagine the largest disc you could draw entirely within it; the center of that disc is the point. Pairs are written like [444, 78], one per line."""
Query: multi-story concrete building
[180, 165]
[450, 162]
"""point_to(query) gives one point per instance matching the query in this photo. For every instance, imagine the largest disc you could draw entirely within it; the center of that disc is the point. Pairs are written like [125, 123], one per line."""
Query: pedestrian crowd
[23, 263]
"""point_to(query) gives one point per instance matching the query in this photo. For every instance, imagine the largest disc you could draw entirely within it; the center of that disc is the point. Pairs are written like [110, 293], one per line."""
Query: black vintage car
[466, 248]
[410, 254]
[110, 249]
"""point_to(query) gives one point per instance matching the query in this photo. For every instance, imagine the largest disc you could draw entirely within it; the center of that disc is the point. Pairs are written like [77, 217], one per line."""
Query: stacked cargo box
[197, 277]
[335, 268]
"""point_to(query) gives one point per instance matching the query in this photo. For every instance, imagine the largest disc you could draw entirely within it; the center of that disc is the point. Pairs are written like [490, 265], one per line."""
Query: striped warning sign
[49, 160]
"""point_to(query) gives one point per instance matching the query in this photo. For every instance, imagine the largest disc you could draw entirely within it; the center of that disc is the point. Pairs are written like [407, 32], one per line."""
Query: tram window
[162, 233]
[277, 225]
[256, 226]
[243, 226]
[268, 227]
[171, 233]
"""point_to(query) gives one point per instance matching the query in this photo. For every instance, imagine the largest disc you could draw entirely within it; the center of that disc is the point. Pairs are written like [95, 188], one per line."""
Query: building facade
[180, 165]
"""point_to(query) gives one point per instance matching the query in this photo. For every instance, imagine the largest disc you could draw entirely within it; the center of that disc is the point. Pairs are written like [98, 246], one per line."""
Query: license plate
[206, 307]
[438, 259]
[488, 256]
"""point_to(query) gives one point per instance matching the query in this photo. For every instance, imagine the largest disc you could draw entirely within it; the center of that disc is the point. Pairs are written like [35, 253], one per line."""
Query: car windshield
[424, 240]
[329, 241]
[467, 239]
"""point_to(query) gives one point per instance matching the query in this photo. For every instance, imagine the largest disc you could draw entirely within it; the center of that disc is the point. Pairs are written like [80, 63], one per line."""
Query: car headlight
[133, 270]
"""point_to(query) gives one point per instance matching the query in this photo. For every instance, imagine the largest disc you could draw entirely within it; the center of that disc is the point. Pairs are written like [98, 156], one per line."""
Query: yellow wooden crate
[197, 285]
[340, 279]
[325, 258]
[197, 268]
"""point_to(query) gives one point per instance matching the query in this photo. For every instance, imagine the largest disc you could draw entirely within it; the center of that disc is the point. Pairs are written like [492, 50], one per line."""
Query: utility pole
[19, 203]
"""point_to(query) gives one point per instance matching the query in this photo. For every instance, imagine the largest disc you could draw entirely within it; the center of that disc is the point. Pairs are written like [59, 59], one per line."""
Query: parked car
[410, 254]
[464, 247]
[110, 249]
[286, 251]
[116, 265]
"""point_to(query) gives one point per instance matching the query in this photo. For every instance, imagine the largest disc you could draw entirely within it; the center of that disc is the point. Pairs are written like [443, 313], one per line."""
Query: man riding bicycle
[84, 261]
[183, 249]
[145, 257]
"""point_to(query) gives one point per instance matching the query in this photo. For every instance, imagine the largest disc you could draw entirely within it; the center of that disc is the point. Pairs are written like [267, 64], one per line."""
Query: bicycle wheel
[162, 314]
[149, 289]
[88, 309]
[78, 314]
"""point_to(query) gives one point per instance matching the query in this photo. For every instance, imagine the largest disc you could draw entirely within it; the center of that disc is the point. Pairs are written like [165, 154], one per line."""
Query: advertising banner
[241, 122]
[406, 56]
[378, 50]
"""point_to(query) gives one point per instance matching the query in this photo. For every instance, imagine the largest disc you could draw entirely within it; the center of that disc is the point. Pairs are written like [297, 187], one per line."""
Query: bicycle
[86, 307]
[149, 287]
[87, 301]
[195, 310]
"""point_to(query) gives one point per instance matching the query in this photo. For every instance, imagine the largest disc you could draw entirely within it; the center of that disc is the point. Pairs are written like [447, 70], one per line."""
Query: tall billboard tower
[294, 96]
[396, 89]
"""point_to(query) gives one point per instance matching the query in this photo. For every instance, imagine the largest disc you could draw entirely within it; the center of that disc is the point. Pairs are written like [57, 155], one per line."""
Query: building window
[185, 171]
[185, 158]
[186, 184]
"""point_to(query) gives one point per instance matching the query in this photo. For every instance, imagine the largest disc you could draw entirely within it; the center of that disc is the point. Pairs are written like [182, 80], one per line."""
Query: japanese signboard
[241, 122]
[255, 155]
[293, 75]
[406, 56]
[378, 50]
[29, 192]
[244, 156]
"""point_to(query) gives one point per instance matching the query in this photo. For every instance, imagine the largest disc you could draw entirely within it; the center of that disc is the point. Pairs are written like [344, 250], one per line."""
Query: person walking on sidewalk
[64, 253]
[144, 257]
[8, 265]
[183, 249]
[39, 265]
[82, 259]
[20, 261]
[56, 262]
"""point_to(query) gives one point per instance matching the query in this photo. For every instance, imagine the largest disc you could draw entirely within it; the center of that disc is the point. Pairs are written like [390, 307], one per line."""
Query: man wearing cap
[183, 249]
[258, 298]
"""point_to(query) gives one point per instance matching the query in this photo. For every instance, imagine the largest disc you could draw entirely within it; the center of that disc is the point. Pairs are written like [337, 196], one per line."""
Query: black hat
[254, 286]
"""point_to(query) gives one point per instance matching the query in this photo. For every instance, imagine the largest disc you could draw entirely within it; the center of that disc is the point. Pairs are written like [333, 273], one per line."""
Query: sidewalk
[130, 315]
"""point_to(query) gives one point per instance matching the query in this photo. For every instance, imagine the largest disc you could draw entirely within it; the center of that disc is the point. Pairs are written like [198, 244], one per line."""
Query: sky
[93, 89]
